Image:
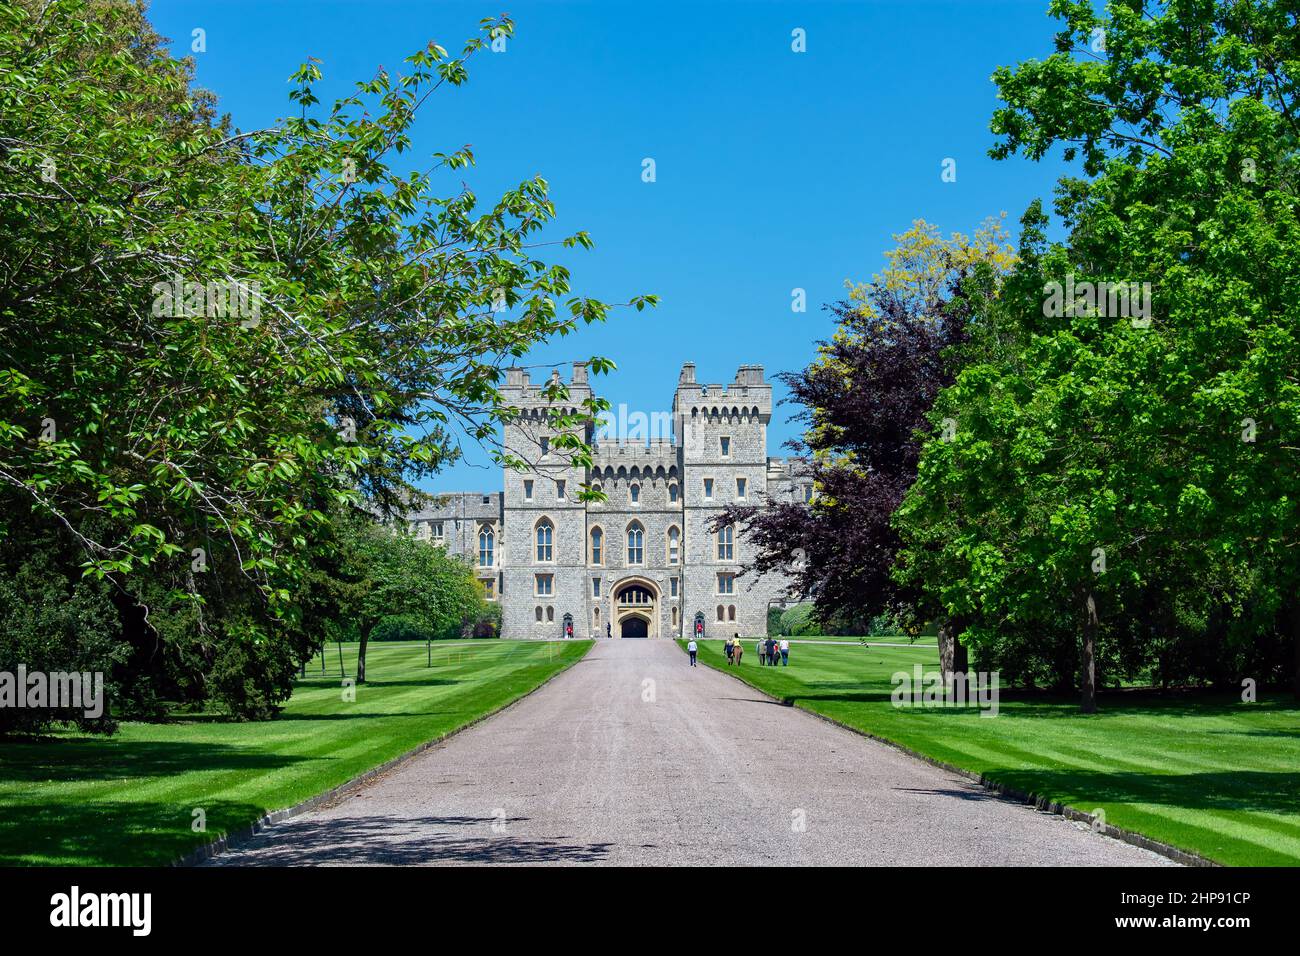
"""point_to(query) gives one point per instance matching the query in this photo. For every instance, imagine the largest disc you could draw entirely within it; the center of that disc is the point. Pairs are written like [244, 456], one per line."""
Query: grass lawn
[1206, 773]
[130, 799]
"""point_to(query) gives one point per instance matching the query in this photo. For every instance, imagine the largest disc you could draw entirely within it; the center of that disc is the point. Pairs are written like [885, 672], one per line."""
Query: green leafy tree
[1112, 458]
[211, 339]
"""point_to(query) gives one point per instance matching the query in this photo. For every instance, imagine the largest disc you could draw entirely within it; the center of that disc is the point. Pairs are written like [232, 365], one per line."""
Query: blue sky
[775, 170]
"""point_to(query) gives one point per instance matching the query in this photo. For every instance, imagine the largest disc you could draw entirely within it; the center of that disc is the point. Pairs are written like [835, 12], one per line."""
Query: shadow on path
[402, 841]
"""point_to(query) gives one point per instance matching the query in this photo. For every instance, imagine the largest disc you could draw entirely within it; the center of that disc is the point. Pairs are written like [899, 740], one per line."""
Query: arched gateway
[636, 605]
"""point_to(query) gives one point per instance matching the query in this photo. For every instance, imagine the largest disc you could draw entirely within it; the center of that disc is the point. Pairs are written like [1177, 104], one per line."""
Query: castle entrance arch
[636, 608]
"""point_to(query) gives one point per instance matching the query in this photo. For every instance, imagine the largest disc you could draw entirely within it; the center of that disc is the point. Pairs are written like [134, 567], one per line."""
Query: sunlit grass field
[1203, 772]
[131, 799]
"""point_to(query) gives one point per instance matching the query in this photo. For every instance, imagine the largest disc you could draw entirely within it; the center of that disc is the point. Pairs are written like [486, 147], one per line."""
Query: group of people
[770, 651]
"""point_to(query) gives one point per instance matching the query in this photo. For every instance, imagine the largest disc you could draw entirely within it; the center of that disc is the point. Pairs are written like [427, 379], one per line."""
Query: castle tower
[722, 443]
[543, 581]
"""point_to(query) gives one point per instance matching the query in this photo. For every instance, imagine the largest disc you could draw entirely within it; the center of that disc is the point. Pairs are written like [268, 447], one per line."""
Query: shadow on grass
[1247, 791]
[327, 683]
[368, 715]
[1039, 705]
[403, 841]
[81, 759]
[111, 833]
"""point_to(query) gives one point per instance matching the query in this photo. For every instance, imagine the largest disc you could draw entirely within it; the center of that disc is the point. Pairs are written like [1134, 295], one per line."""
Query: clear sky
[776, 170]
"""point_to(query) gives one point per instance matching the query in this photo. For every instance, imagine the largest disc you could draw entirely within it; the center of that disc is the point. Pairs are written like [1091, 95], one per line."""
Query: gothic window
[545, 540]
[486, 542]
[726, 543]
[672, 494]
[726, 584]
[726, 446]
[721, 613]
[635, 543]
[597, 545]
[545, 585]
[731, 612]
[674, 545]
[538, 611]
[635, 492]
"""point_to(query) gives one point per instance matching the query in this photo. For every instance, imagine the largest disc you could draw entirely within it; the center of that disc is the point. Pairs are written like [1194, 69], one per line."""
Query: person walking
[785, 653]
[739, 651]
[730, 649]
[759, 649]
[691, 649]
[771, 652]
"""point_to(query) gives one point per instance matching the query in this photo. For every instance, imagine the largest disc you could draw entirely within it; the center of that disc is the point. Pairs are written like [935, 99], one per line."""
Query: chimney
[687, 376]
[579, 373]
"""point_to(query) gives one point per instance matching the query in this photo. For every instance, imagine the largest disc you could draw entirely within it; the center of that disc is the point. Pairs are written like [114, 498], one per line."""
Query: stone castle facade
[644, 562]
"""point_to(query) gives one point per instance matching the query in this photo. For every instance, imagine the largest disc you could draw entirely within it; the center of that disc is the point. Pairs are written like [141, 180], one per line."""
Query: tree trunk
[952, 654]
[1088, 656]
[947, 650]
[361, 655]
[1295, 638]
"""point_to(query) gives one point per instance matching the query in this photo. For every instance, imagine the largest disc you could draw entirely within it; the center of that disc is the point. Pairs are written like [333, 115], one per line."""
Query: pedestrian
[691, 648]
[759, 649]
[740, 651]
[771, 652]
[730, 649]
[785, 653]
[608, 632]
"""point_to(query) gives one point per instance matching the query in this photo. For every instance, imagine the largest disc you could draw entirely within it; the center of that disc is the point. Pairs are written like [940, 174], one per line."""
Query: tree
[213, 339]
[377, 572]
[1110, 459]
[864, 398]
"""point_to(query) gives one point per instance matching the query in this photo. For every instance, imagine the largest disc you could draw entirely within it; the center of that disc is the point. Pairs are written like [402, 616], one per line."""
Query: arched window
[731, 612]
[721, 613]
[597, 545]
[545, 540]
[674, 545]
[675, 617]
[726, 543]
[486, 542]
[635, 543]
[550, 614]
[539, 614]
[635, 492]
[672, 494]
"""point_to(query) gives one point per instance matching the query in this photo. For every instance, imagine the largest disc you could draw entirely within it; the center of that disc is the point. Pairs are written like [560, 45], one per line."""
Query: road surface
[631, 757]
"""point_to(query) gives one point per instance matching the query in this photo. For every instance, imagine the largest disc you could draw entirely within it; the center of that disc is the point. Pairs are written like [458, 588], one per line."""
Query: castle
[644, 562]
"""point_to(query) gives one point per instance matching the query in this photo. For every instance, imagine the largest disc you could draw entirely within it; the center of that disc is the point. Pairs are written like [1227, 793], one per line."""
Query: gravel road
[633, 757]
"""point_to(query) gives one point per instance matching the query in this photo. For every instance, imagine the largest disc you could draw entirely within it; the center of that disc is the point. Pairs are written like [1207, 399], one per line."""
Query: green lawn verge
[1206, 773]
[130, 799]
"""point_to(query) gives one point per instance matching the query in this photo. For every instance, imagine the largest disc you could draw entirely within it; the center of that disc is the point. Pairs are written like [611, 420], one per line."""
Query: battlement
[749, 396]
[520, 391]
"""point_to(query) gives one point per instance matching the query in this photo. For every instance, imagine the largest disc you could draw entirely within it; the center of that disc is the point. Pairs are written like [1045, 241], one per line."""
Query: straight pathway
[631, 757]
